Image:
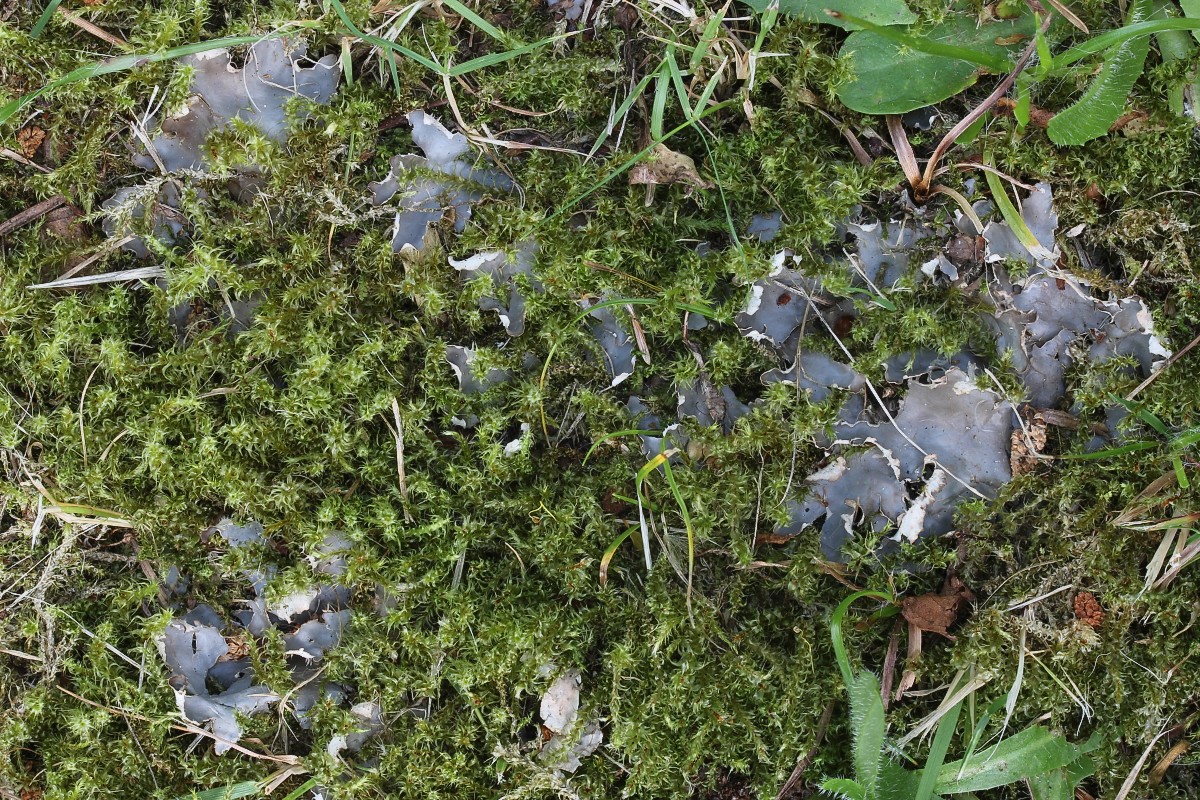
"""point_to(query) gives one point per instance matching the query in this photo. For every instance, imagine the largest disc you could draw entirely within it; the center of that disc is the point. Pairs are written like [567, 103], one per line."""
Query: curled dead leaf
[663, 165]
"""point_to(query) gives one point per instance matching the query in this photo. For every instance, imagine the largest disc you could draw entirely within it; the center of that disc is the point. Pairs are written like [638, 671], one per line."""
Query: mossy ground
[500, 556]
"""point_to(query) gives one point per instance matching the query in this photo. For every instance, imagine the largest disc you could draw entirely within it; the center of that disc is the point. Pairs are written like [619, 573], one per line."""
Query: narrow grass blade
[384, 44]
[44, 19]
[687, 524]
[464, 11]
[230, 792]
[611, 551]
[492, 59]
[1098, 44]
[616, 435]
[707, 38]
[621, 111]
[641, 154]
[658, 110]
[126, 62]
[835, 630]
[681, 92]
[1013, 217]
[938, 749]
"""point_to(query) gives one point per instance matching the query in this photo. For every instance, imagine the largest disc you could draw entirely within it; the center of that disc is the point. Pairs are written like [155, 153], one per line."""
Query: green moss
[493, 560]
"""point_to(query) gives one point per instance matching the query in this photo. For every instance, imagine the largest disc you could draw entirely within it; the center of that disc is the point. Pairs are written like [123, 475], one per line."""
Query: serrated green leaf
[1092, 115]
[880, 12]
[867, 722]
[844, 788]
[1034, 751]
[892, 76]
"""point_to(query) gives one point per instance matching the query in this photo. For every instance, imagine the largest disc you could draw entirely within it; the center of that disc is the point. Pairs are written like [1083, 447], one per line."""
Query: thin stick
[32, 213]
[186, 727]
[94, 30]
[109, 247]
[1154, 375]
[20, 159]
[794, 779]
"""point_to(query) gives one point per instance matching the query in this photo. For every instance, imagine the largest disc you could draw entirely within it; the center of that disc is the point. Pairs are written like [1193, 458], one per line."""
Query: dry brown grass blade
[904, 151]
[923, 183]
[1155, 776]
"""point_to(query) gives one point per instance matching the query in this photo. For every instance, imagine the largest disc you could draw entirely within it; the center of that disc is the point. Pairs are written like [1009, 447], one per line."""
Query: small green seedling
[899, 67]
[1048, 763]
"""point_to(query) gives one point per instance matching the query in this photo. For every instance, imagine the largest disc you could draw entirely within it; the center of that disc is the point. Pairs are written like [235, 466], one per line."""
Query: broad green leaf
[1034, 751]
[1174, 46]
[1191, 10]
[867, 722]
[893, 77]
[880, 12]
[1092, 115]
[1060, 784]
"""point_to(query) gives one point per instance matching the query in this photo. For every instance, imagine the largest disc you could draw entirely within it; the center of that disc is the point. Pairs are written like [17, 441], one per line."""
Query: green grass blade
[685, 102]
[296, 793]
[1098, 44]
[624, 167]
[464, 11]
[384, 44]
[1010, 214]
[835, 630]
[621, 111]
[687, 523]
[707, 38]
[492, 59]
[616, 435]
[610, 552]
[1136, 447]
[132, 60]
[710, 87]
[980, 727]
[659, 108]
[44, 19]
[230, 792]
[946, 727]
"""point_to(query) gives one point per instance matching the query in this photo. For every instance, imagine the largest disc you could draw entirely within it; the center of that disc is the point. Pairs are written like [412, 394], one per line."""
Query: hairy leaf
[867, 722]
[1092, 115]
